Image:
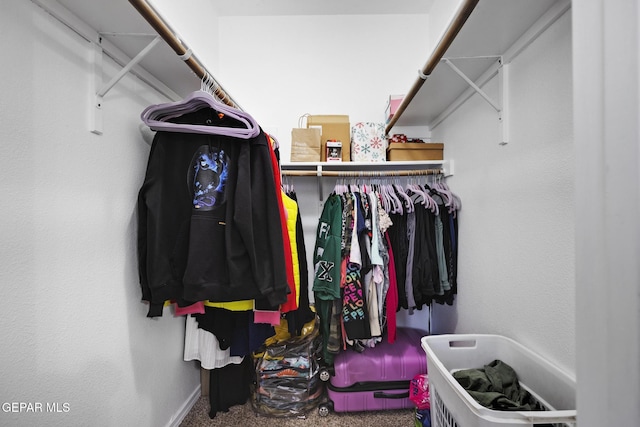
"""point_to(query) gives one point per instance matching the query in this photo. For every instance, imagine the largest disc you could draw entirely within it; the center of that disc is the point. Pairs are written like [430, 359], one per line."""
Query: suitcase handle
[383, 395]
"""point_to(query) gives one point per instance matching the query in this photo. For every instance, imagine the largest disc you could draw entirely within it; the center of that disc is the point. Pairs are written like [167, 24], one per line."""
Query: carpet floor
[243, 415]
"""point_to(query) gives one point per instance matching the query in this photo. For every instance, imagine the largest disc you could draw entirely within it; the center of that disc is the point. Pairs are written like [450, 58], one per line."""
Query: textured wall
[73, 328]
[517, 258]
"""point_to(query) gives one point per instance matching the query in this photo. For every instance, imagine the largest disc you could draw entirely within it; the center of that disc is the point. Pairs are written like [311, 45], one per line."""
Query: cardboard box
[408, 151]
[333, 127]
[392, 106]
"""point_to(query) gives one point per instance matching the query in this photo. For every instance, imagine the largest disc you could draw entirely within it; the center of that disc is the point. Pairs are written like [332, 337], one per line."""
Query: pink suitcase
[378, 378]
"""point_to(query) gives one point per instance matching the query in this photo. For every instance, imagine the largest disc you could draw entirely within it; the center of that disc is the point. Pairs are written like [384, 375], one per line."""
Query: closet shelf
[370, 169]
[122, 31]
[482, 38]
[365, 169]
[184, 53]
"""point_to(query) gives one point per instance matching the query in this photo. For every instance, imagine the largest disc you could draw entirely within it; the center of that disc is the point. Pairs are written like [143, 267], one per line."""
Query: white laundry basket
[452, 406]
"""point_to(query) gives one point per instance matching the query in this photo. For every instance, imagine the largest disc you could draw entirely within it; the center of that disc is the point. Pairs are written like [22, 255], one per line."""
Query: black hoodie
[208, 219]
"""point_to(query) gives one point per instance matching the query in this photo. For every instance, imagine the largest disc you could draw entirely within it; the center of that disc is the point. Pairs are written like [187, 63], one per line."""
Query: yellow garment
[242, 305]
[291, 207]
[282, 332]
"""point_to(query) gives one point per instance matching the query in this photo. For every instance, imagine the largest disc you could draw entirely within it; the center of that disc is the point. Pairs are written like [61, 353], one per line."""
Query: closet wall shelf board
[481, 40]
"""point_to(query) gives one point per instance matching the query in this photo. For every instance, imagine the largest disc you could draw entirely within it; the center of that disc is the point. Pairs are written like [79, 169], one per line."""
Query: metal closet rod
[450, 34]
[361, 174]
[163, 29]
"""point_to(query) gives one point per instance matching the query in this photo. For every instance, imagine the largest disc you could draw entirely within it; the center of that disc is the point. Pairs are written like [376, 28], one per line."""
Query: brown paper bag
[305, 144]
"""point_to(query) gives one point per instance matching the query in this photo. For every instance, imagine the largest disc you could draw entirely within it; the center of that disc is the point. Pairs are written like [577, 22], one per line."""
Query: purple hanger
[156, 116]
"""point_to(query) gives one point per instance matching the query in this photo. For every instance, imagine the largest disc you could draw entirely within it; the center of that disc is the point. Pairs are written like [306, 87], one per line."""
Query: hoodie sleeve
[256, 218]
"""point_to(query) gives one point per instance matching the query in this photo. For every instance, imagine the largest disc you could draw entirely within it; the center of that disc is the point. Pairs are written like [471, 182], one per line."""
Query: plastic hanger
[340, 188]
[393, 198]
[444, 193]
[420, 195]
[432, 204]
[429, 202]
[408, 203]
[453, 201]
[157, 116]
[382, 196]
[456, 202]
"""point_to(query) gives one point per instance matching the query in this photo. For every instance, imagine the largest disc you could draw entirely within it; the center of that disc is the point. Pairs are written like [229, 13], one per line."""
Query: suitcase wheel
[325, 375]
[325, 408]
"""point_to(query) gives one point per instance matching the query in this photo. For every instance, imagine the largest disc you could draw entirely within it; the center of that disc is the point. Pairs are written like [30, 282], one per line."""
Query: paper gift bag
[368, 143]
[305, 144]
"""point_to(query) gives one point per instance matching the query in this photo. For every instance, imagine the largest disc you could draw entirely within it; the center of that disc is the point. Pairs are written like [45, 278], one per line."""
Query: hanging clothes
[355, 317]
[203, 346]
[230, 386]
[296, 319]
[209, 226]
[327, 262]
[398, 248]
[291, 212]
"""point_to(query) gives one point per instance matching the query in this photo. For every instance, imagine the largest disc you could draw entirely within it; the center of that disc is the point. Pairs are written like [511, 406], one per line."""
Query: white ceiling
[321, 7]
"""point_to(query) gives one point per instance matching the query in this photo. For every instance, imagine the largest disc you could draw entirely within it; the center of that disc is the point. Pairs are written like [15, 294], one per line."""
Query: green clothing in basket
[496, 386]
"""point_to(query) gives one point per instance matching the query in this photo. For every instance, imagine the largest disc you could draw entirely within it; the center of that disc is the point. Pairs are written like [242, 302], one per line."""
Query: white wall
[73, 328]
[607, 138]
[517, 261]
[285, 66]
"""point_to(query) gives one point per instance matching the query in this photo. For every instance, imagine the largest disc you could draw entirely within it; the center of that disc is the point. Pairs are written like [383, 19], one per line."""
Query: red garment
[291, 304]
[392, 296]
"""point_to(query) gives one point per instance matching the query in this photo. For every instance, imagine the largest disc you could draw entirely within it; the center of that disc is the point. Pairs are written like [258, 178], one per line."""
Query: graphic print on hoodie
[207, 179]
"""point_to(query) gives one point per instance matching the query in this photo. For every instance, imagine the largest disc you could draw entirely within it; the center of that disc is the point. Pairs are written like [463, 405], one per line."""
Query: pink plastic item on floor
[419, 391]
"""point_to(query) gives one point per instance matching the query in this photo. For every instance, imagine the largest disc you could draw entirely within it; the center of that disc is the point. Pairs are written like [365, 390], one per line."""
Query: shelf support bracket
[103, 89]
[474, 86]
[95, 101]
[503, 80]
[319, 178]
[503, 108]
